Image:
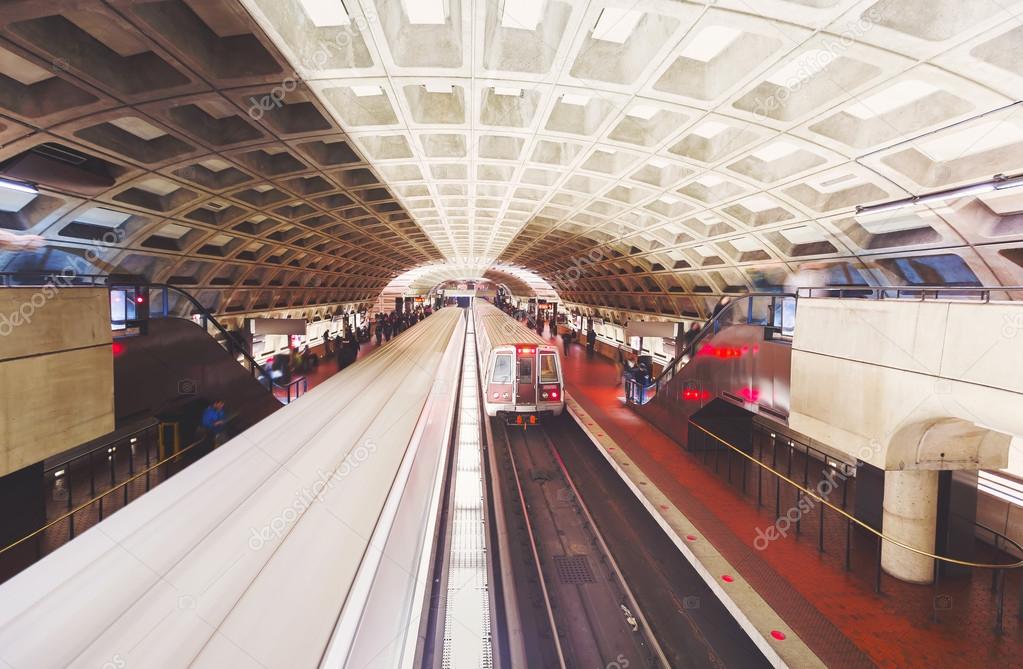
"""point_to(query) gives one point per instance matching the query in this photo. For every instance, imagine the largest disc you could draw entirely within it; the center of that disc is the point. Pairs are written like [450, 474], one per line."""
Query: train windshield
[502, 369]
[548, 368]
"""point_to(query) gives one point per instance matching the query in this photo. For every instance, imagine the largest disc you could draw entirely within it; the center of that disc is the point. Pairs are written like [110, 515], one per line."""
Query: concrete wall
[910, 385]
[56, 372]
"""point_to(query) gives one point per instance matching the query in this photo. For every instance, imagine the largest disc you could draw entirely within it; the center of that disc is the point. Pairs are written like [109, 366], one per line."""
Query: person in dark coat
[591, 341]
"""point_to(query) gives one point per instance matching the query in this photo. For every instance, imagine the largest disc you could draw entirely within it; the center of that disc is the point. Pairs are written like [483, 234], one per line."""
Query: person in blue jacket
[214, 422]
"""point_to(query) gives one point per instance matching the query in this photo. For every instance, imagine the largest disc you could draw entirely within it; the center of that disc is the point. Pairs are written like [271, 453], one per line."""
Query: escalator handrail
[210, 318]
[104, 280]
[710, 327]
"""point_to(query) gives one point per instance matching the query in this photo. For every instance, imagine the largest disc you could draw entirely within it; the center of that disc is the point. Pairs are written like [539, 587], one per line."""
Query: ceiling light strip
[998, 182]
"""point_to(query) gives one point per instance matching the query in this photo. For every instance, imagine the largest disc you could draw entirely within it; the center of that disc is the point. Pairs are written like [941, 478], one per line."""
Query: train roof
[501, 329]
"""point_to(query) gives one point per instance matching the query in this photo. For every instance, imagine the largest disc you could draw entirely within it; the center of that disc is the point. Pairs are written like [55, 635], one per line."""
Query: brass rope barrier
[97, 498]
[859, 522]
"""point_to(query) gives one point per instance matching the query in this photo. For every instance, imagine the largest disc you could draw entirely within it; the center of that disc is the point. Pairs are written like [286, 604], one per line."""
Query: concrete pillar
[910, 516]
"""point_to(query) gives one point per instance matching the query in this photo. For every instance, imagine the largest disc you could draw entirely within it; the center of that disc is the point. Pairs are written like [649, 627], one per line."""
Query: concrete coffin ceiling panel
[668, 150]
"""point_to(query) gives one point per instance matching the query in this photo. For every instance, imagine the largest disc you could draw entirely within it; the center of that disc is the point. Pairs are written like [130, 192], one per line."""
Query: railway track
[592, 618]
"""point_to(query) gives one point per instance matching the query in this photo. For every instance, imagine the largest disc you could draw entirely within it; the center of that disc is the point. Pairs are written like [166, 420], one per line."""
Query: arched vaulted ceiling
[640, 155]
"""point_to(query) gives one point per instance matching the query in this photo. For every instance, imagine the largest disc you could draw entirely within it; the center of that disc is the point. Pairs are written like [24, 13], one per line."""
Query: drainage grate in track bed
[573, 569]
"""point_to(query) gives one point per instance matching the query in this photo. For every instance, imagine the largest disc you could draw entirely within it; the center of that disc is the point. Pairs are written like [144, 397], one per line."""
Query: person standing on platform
[591, 341]
[214, 422]
[554, 325]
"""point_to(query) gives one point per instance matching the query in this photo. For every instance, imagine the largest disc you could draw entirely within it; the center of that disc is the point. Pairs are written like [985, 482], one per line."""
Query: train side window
[548, 368]
[526, 370]
[502, 369]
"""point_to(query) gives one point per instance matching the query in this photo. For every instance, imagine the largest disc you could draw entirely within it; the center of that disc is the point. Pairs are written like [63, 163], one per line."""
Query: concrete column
[910, 516]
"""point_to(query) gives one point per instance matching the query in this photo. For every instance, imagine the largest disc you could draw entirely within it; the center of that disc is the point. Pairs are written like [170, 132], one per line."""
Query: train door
[525, 380]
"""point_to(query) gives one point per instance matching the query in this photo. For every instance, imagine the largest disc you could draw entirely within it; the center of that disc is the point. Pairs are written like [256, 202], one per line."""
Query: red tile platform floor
[835, 612]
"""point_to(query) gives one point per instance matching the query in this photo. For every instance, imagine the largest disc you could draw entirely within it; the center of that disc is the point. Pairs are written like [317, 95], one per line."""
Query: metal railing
[918, 293]
[803, 491]
[98, 501]
[108, 455]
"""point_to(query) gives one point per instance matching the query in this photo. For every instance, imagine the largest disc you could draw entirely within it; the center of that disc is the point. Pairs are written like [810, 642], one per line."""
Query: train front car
[521, 372]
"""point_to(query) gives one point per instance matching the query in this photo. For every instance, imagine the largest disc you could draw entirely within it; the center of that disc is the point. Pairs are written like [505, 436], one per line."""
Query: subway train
[521, 372]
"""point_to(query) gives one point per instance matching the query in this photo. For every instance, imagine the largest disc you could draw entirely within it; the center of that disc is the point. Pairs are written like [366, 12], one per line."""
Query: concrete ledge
[748, 608]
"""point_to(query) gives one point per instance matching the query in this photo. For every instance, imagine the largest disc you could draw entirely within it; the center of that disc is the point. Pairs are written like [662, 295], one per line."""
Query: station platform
[326, 369]
[827, 615]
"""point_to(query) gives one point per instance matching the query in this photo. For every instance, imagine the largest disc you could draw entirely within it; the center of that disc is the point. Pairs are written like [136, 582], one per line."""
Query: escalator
[737, 366]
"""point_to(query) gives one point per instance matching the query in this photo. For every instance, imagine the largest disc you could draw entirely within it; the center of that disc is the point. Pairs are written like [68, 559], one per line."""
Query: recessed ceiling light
[745, 244]
[645, 112]
[367, 90]
[575, 99]
[522, 14]
[426, 12]
[775, 151]
[659, 163]
[668, 199]
[615, 24]
[759, 203]
[326, 13]
[709, 43]
[438, 87]
[803, 67]
[710, 129]
[893, 97]
[507, 90]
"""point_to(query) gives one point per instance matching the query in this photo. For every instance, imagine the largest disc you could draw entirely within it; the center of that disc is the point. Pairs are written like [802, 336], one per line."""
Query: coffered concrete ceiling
[639, 155]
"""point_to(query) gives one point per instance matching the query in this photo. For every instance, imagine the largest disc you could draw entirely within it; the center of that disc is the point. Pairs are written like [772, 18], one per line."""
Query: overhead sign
[664, 329]
[277, 326]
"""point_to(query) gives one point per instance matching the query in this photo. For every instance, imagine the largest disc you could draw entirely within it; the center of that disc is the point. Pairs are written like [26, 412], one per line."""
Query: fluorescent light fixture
[510, 91]
[576, 99]
[645, 112]
[999, 182]
[367, 90]
[326, 13]
[709, 43]
[438, 87]
[775, 151]
[523, 14]
[710, 129]
[18, 186]
[426, 12]
[615, 24]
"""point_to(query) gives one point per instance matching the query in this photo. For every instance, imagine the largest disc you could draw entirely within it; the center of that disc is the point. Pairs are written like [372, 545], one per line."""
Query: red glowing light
[727, 579]
[750, 394]
[780, 636]
[117, 348]
[695, 395]
[723, 352]
[532, 420]
[140, 299]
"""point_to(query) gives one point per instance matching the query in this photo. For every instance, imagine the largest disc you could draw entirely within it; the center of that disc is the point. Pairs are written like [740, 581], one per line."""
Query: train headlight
[545, 396]
[496, 395]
